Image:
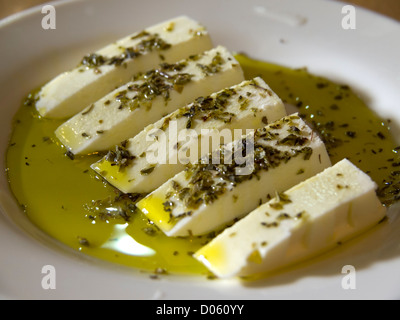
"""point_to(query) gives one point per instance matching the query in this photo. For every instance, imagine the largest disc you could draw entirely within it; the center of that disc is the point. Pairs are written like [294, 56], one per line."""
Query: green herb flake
[120, 156]
[147, 171]
[83, 242]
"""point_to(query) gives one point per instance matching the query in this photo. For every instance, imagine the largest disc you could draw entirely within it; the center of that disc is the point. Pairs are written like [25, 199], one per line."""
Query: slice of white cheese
[162, 149]
[125, 112]
[102, 71]
[208, 195]
[315, 216]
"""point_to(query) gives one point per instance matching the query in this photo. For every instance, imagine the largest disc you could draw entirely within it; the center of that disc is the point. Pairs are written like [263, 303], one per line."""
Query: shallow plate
[289, 32]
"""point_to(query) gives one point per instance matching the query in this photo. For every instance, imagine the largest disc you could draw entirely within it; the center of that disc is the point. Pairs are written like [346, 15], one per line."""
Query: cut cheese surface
[208, 195]
[309, 218]
[162, 149]
[126, 111]
[112, 66]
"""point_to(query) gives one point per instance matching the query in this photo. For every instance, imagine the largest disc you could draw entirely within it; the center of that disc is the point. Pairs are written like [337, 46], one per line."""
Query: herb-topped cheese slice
[162, 149]
[208, 195]
[127, 110]
[306, 220]
[100, 72]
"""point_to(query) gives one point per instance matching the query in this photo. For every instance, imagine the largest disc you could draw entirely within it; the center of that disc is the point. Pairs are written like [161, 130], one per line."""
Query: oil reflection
[122, 242]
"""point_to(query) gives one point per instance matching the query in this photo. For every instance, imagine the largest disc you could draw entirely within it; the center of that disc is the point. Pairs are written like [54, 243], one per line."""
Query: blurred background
[390, 8]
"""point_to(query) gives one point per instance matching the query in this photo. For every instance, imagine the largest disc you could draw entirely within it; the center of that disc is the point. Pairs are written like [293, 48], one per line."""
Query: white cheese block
[115, 64]
[125, 112]
[315, 216]
[162, 149]
[204, 197]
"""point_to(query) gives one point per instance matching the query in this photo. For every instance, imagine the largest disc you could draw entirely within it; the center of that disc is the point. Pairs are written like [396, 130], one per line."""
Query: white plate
[365, 58]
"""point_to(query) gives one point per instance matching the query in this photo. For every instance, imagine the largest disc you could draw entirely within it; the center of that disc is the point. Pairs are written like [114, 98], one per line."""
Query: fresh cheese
[125, 112]
[100, 72]
[208, 195]
[162, 149]
[308, 219]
